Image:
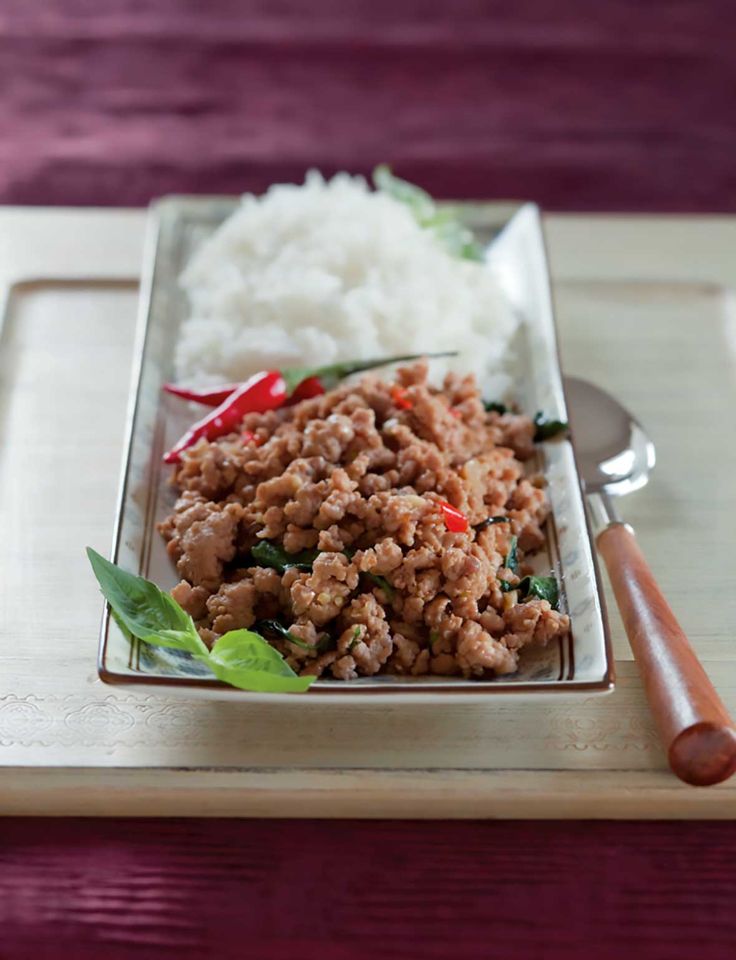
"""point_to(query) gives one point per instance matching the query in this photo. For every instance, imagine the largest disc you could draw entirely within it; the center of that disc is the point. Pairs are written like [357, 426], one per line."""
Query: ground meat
[356, 478]
[533, 622]
[193, 600]
[477, 651]
[321, 595]
[201, 539]
[404, 655]
[372, 638]
[232, 607]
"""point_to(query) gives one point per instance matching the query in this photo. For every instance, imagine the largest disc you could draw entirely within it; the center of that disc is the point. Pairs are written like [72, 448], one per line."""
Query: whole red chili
[210, 396]
[308, 388]
[264, 391]
[400, 397]
[301, 382]
[455, 520]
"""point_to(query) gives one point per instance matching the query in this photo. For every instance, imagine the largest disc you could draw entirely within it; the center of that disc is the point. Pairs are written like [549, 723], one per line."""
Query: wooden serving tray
[644, 308]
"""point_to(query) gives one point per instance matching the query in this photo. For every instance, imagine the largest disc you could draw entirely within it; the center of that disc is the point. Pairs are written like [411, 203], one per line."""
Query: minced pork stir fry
[377, 528]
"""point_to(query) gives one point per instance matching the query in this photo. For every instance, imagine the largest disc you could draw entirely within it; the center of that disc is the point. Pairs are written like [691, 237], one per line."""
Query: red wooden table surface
[579, 105]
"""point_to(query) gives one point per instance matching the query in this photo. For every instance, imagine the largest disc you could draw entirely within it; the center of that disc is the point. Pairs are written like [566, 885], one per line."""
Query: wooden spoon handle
[693, 723]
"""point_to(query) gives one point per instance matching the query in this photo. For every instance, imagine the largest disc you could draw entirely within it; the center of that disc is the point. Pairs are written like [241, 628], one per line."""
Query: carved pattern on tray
[113, 720]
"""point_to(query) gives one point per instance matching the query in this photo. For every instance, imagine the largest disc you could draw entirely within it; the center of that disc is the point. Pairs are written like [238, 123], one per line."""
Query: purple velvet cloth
[610, 105]
[580, 104]
[348, 890]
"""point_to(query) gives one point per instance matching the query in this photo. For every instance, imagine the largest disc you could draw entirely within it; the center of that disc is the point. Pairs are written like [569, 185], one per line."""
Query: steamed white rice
[330, 270]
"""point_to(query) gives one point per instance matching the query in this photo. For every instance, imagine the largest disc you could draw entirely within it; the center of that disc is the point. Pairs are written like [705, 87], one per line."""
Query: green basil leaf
[383, 583]
[492, 407]
[241, 658]
[145, 611]
[511, 561]
[355, 638]
[275, 626]
[544, 588]
[419, 201]
[489, 521]
[245, 660]
[546, 429]
[266, 553]
[324, 643]
[507, 587]
[457, 239]
[380, 581]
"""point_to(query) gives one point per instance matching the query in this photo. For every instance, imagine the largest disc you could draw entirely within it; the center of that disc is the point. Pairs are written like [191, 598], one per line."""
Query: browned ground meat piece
[373, 644]
[232, 607]
[358, 477]
[533, 622]
[193, 600]
[478, 651]
[321, 595]
[202, 539]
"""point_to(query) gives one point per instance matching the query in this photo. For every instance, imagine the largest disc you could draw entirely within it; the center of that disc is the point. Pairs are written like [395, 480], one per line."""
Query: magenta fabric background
[348, 890]
[578, 104]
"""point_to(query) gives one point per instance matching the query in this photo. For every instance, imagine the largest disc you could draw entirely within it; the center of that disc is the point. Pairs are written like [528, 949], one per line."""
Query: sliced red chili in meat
[264, 391]
[455, 520]
[248, 436]
[457, 414]
[400, 397]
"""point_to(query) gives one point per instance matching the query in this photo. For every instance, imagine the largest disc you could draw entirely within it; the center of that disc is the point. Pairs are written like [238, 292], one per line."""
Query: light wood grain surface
[645, 308]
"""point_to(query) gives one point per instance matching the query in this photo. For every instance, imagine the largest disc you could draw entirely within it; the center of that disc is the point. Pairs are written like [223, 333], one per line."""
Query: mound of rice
[331, 270]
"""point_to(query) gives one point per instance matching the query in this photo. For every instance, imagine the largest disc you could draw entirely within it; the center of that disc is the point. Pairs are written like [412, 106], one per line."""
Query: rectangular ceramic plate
[580, 664]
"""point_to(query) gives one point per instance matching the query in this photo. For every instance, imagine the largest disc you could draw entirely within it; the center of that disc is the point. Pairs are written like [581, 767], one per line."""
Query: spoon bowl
[615, 454]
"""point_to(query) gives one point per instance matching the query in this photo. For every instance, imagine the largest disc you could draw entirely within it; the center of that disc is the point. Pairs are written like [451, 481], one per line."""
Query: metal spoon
[615, 456]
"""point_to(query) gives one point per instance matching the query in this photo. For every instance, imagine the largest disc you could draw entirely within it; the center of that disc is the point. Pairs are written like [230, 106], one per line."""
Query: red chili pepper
[455, 520]
[210, 396]
[302, 383]
[247, 436]
[308, 388]
[400, 397]
[457, 414]
[264, 391]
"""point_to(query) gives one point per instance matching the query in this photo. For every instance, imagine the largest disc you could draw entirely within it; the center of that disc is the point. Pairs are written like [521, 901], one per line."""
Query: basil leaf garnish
[546, 429]
[241, 658]
[383, 583]
[145, 611]
[275, 626]
[545, 588]
[244, 659]
[266, 553]
[380, 581]
[511, 561]
[489, 521]
[457, 239]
